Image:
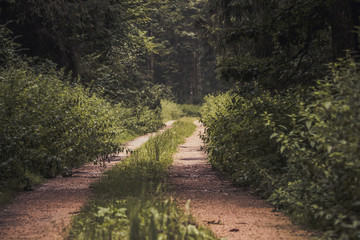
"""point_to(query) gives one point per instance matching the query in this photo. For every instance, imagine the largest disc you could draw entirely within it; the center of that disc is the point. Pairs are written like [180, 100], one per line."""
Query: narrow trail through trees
[230, 212]
[46, 212]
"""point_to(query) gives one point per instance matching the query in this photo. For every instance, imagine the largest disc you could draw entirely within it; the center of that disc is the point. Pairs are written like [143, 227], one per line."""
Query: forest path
[46, 212]
[230, 212]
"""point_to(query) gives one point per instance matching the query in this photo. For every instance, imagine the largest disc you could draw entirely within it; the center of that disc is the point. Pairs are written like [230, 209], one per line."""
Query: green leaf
[308, 124]
[102, 211]
[282, 149]
[327, 105]
[274, 135]
[329, 148]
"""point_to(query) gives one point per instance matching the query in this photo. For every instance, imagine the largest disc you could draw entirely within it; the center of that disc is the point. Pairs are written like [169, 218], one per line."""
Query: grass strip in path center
[130, 202]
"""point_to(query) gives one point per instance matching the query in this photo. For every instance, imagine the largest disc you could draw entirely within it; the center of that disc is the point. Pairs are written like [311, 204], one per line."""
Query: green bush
[8, 47]
[323, 156]
[237, 141]
[48, 125]
[190, 110]
[170, 110]
[173, 111]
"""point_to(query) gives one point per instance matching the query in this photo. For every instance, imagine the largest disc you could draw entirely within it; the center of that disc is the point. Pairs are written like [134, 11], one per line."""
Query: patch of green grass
[130, 200]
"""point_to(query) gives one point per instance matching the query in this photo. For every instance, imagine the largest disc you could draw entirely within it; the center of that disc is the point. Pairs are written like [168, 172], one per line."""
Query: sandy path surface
[46, 212]
[230, 212]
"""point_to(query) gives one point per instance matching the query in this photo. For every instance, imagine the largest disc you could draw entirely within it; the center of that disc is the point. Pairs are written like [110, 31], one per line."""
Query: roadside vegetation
[298, 149]
[50, 123]
[171, 110]
[130, 200]
[49, 126]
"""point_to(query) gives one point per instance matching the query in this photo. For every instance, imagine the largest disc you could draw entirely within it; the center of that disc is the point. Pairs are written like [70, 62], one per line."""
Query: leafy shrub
[8, 47]
[322, 152]
[172, 111]
[190, 110]
[143, 119]
[47, 125]
[237, 141]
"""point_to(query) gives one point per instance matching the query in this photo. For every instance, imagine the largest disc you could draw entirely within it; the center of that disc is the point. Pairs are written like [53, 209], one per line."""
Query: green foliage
[236, 139]
[322, 151]
[8, 47]
[298, 148]
[138, 219]
[47, 125]
[172, 111]
[130, 202]
[191, 110]
[13, 186]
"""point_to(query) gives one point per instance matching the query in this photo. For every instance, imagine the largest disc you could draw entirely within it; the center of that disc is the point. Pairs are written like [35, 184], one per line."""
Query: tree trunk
[151, 67]
[151, 60]
[193, 78]
[199, 79]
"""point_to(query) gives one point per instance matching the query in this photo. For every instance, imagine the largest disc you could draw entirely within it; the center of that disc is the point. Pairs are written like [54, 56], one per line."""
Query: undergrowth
[130, 200]
[173, 111]
[50, 122]
[299, 149]
[49, 125]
